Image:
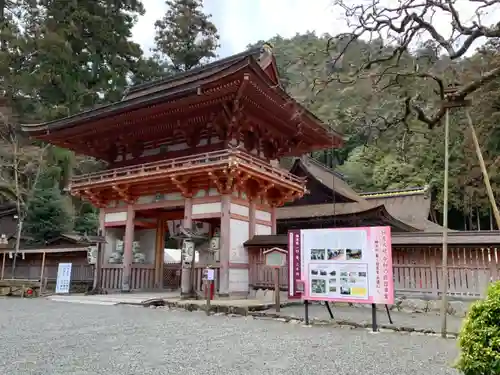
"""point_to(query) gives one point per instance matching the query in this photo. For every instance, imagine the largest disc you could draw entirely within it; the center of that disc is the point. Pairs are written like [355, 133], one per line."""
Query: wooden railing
[84, 272]
[214, 158]
[470, 270]
[142, 277]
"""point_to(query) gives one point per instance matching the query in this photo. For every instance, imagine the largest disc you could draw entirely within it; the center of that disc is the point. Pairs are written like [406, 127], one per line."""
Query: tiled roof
[409, 206]
[424, 239]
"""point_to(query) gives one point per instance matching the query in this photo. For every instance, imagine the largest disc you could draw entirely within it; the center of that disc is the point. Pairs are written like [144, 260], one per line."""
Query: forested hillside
[382, 152]
[58, 58]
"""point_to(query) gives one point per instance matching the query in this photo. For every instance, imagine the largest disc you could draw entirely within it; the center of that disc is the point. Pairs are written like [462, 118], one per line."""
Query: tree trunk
[3, 43]
[19, 205]
[18, 245]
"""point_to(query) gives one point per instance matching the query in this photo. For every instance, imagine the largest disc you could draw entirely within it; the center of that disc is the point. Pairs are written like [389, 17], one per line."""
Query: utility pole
[448, 103]
[444, 283]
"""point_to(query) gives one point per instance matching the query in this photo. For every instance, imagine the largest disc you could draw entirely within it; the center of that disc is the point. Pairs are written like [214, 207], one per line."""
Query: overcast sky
[241, 22]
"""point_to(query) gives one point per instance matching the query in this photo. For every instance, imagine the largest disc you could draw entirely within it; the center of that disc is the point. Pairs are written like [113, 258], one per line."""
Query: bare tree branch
[402, 29]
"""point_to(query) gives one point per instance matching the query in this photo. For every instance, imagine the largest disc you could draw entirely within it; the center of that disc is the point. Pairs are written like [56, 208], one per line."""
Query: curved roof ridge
[327, 177]
[309, 159]
[424, 190]
[226, 60]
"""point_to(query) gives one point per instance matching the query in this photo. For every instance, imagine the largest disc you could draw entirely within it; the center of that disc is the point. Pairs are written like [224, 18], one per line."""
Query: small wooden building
[36, 262]
[40, 262]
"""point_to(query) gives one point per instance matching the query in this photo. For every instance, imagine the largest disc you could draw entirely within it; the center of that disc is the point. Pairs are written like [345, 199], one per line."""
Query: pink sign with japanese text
[341, 264]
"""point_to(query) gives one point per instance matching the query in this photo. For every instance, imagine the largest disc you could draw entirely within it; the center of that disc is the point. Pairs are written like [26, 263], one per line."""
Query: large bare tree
[449, 27]
[21, 164]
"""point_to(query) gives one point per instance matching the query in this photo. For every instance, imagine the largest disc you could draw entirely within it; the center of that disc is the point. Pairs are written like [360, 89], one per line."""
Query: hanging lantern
[187, 250]
[215, 241]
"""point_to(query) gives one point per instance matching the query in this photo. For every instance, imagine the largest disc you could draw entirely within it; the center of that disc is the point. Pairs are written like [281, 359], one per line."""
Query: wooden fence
[417, 271]
[141, 277]
[172, 276]
[82, 272]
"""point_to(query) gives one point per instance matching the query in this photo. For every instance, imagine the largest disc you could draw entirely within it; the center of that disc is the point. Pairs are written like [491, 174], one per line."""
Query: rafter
[182, 183]
[241, 180]
[262, 192]
[124, 194]
[93, 198]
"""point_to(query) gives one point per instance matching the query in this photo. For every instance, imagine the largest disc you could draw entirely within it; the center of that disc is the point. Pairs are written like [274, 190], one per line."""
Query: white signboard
[63, 278]
[342, 264]
[209, 274]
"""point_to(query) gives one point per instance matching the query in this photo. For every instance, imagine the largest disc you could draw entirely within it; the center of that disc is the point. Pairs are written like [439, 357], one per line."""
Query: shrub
[479, 339]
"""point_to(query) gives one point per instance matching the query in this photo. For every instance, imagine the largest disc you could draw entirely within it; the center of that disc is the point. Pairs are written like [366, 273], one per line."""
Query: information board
[209, 274]
[342, 264]
[63, 278]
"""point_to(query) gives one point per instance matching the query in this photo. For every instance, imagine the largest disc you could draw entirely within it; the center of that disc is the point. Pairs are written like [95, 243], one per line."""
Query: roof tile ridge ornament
[266, 55]
[421, 190]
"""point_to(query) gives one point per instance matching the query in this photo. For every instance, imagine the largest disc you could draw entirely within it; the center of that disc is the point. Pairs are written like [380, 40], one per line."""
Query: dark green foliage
[48, 214]
[479, 338]
[58, 58]
[185, 36]
[379, 153]
[86, 220]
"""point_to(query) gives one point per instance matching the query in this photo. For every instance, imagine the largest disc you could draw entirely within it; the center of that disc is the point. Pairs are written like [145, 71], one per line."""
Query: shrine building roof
[237, 94]
[407, 209]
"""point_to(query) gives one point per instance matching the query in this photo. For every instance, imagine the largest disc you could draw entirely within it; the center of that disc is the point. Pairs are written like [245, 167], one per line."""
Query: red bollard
[212, 290]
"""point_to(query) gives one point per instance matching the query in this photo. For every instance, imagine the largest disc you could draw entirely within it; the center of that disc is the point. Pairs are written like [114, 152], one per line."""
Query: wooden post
[251, 218]
[273, 220]
[128, 255]
[3, 266]
[158, 246]
[444, 281]
[161, 253]
[486, 178]
[208, 290]
[434, 276]
[277, 289]
[42, 271]
[96, 287]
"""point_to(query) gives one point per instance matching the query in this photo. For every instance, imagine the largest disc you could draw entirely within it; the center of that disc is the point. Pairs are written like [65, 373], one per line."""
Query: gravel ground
[55, 338]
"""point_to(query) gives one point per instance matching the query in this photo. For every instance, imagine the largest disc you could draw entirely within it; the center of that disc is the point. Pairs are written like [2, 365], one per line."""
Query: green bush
[479, 339]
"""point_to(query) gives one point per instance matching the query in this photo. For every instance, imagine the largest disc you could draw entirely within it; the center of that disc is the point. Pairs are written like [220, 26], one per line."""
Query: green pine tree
[185, 36]
[84, 55]
[48, 213]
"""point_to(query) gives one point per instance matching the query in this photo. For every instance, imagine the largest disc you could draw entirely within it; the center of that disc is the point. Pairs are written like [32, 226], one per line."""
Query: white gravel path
[49, 338]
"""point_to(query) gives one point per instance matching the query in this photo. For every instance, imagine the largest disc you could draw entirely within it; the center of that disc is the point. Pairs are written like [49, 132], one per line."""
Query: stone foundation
[403, 304]
[415, 306]
[267, 295]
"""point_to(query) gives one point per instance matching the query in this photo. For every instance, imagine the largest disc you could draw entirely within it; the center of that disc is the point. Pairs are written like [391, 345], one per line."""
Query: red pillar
[186, 269]
[225, 245]
[251, 219]
[128, 256]
[273, 220]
